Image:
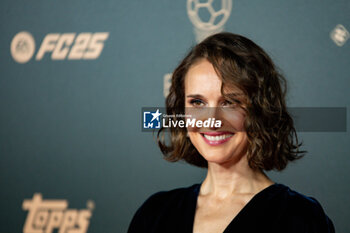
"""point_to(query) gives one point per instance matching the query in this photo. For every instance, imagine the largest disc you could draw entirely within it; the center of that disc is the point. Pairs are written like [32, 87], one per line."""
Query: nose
[211, 114]
[215, 113]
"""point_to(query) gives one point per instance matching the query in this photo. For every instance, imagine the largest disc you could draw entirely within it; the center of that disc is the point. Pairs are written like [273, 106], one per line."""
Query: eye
[230, 104]
[196, 102]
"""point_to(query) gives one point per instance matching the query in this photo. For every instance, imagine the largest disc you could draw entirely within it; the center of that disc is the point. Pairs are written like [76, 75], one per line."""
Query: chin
[217, 158]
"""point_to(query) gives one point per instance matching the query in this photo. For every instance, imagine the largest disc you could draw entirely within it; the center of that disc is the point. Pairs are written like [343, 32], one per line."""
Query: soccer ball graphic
[340, 35]
[208, 16]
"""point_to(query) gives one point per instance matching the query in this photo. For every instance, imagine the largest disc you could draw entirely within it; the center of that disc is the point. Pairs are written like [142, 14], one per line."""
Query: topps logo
[48, 216]
[70, 46]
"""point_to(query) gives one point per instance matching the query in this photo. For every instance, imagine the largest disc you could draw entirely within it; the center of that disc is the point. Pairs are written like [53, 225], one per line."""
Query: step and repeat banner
[76, 74]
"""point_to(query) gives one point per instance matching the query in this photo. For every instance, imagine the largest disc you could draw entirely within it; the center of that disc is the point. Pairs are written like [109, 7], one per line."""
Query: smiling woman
[235, 81]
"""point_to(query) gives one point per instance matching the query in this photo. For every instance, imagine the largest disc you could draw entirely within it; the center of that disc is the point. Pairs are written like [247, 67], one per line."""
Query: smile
[216, 138]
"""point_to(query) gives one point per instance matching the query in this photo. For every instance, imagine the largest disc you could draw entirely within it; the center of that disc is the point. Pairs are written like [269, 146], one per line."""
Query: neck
[223, 180]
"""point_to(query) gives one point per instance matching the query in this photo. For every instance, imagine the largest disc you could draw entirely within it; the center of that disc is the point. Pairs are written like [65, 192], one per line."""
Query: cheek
[196, 139]
[193, 135]
[240, 141]
[234, 119]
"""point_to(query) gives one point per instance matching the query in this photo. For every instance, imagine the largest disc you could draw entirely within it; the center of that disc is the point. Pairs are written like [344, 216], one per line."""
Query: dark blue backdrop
[70, 128]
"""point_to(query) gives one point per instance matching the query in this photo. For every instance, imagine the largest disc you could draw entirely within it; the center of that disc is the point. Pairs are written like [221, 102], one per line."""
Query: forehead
[202, 78]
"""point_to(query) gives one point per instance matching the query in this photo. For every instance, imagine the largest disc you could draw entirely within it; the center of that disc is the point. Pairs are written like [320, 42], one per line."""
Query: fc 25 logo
[71, 46]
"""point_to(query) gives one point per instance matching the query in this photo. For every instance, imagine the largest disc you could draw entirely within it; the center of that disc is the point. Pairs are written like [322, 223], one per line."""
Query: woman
[237, 81]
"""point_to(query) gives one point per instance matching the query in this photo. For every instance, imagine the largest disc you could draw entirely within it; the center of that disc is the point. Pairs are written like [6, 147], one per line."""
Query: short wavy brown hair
[239, 62]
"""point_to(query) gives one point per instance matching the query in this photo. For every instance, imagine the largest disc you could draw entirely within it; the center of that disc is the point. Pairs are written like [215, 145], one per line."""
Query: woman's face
[224, 145]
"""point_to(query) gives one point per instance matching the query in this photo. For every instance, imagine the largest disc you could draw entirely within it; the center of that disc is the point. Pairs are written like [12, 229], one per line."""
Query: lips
[216, 138]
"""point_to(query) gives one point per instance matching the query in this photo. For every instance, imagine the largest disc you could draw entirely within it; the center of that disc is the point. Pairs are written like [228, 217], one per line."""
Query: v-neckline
[241, 212]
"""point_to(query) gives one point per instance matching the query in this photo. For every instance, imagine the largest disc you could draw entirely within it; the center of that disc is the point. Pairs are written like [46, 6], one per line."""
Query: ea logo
[208, 17]
[22, 47]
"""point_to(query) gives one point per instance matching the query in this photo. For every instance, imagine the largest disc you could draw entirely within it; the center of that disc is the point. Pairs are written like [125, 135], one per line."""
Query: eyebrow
[195, 96]
[233, 94]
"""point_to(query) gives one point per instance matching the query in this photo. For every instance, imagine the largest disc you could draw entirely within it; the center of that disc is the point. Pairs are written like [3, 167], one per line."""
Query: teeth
[217, 138]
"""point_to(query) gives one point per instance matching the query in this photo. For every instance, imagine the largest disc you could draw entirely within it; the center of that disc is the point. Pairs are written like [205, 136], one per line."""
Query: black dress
[276, 209]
